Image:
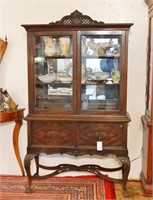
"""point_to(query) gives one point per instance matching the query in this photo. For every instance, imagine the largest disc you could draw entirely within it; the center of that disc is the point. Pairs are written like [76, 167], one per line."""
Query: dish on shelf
[59, 91]
[48, 78]
[99, 76]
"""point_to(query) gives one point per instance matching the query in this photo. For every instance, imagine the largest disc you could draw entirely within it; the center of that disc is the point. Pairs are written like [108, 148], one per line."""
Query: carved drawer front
[54, 134]
[109, 134]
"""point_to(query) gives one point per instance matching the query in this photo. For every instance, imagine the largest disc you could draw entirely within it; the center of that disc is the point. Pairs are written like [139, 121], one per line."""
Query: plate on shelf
[59, 91]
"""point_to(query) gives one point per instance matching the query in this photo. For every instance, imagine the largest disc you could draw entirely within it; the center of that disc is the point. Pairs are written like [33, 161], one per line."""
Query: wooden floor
[134, 190]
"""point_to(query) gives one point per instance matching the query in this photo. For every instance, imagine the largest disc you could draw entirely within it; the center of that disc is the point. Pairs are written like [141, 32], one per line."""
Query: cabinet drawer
[110, 134]
[54, 134]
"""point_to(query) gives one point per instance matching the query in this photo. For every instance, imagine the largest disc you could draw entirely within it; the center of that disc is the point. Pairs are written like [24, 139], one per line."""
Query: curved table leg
[16, 130]
[125, 172]
[27, 162]
[37, 165]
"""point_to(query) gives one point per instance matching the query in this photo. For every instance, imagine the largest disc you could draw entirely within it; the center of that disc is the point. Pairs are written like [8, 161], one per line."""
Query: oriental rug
[56, 188]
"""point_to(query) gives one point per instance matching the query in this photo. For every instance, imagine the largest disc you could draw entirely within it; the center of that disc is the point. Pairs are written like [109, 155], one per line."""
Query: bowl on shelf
[48, 78]
[99, 76]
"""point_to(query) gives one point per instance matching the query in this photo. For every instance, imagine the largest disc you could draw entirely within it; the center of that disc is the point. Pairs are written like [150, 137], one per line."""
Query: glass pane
[53, 72]
[100, 72]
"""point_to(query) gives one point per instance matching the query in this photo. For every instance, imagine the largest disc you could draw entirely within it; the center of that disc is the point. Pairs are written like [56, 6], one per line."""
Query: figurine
[115, 76]
[65, 46]
[49, 46]
[3, 105]
[6, 101]
[99, 47]
[84, 46]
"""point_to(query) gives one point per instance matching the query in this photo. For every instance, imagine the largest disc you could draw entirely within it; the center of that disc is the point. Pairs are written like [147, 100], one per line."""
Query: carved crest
[76, 18]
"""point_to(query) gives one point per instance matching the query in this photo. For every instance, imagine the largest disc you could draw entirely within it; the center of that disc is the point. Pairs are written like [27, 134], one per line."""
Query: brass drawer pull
[53, 134]
[100, 134]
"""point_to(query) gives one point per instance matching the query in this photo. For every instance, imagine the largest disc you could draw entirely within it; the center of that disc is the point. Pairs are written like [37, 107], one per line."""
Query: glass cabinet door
[100, 78]
[53, 72]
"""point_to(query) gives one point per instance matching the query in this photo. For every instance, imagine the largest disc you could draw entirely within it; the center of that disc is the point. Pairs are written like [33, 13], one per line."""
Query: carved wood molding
[76, 18]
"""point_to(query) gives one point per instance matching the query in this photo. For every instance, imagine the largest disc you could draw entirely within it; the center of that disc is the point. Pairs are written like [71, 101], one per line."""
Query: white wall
[13, 69]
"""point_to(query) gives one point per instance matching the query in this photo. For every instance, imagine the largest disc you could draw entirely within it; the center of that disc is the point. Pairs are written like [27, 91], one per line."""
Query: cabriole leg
[27, 162]
[37, 165]
[125, 172]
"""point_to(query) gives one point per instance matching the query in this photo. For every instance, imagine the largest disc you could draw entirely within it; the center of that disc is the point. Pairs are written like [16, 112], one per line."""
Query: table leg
[16, 130]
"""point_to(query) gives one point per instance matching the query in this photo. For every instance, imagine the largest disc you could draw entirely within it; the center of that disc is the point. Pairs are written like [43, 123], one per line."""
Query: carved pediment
[76, 18]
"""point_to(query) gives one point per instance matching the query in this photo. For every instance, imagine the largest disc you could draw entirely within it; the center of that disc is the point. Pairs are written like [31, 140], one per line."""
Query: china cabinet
[147, 156]
[77, 72]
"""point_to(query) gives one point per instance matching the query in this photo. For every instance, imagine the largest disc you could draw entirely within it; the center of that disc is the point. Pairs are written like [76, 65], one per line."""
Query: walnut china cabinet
[77, 72]
[147, 119]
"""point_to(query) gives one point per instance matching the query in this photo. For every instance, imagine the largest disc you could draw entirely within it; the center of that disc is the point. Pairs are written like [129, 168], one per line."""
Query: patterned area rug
[56, 188]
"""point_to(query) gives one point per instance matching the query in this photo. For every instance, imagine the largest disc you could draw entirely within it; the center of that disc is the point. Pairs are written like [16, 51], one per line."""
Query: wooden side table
[17, 117]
